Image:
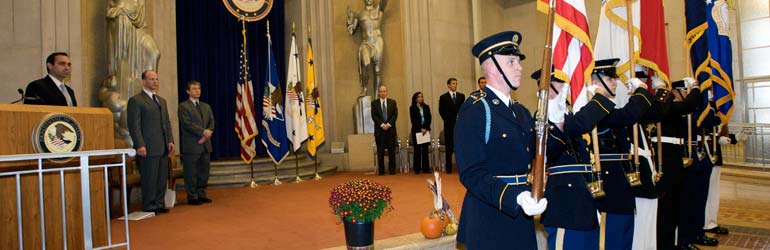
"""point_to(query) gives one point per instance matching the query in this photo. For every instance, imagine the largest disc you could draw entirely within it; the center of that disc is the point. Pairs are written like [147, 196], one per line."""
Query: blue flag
[273, 132]
[696, 43]
[721, 52]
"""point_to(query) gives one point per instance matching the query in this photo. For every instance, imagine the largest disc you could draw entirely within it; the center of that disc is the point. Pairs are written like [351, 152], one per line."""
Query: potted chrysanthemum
[358, 203]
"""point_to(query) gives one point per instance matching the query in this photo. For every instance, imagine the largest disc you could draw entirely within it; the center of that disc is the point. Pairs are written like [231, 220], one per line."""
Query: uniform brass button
[569, 185]
[606, 172]
[527, 149]
[505, 135]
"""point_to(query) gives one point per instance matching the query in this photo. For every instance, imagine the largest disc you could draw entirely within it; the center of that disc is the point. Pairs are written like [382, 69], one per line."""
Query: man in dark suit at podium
[384, 114]
[51, 90]
[448, 105]
[150, 129]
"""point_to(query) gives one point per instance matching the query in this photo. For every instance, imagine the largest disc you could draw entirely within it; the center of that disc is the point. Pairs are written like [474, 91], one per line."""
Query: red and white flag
[245, 123]
[572, 52]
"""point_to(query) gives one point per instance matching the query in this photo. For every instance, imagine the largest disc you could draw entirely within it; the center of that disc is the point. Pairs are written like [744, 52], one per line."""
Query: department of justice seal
[250, 10]
[57, 133]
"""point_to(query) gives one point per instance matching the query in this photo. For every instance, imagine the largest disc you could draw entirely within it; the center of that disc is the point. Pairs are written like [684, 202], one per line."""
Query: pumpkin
[432, 225]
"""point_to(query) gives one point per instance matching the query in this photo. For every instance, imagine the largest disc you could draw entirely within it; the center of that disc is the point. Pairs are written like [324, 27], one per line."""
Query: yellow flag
[314, 114]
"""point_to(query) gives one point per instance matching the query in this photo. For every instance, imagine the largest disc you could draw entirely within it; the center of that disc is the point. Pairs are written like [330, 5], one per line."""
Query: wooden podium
[17, 123]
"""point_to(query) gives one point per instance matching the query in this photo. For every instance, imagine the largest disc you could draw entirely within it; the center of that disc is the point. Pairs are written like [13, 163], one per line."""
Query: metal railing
[752, 147]
[85, 189]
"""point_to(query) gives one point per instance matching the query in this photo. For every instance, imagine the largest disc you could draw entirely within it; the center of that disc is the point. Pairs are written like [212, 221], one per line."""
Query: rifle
[541, 117]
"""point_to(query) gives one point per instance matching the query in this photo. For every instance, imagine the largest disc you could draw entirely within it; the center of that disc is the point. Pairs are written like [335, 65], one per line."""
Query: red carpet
[289, 216]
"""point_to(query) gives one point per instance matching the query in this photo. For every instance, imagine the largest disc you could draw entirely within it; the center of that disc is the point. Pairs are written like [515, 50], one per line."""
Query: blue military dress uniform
[614, 145]
[571, 207]
[493, 141]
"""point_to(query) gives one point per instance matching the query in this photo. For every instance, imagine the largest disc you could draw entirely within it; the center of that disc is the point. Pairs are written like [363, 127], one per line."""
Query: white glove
[740, 136]
[557, 107]
[724, 140]
[658, 83]
[690, 82]
[529, 205]
[635, 83]
[592, 89]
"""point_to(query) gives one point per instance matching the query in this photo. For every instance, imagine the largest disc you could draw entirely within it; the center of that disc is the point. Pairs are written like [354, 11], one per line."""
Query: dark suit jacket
[47, 93]
[191, 126]
[448, 110]
[417, 125]
[148, 125]
[378, 119]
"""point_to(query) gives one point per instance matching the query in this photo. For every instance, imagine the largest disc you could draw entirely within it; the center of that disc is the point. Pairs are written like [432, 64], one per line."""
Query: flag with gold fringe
[314, 113]
[273, 118]
[572, 52]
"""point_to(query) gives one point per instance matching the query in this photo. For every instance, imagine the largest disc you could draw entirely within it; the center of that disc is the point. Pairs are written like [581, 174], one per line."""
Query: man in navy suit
[448, 105]
[51, 90]
[495, 145]
[384, 114]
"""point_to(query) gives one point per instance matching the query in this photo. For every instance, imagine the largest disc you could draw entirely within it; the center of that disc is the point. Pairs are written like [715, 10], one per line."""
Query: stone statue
[130, 51]
[371, 48]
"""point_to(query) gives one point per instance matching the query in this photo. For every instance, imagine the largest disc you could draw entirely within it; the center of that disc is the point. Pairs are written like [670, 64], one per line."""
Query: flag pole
[297, 179]
[317, 177]
[252, 183]
[633, 178]
[276, 182]
[541, 118]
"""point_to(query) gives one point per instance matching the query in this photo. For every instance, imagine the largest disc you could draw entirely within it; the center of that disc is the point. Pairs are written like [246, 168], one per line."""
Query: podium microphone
[21, 92]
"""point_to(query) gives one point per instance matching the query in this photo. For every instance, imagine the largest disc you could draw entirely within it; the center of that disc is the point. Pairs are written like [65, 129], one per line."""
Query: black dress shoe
[687, 247]
[718, 230]
[161, 210]
[706, 241]
[204, 200]
[381, 173]
[194, 202]
[392, 172]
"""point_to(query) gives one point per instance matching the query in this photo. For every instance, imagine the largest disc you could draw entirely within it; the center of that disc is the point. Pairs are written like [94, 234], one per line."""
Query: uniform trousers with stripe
[568, 239]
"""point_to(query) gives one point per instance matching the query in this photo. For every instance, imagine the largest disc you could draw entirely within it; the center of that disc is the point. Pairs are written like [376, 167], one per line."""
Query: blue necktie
[384, 111]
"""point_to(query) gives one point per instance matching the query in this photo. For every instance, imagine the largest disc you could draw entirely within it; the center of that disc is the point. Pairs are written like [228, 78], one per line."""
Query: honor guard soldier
[676, 105]
[645, 233]
[495, 145]
[712, 204]
[696, 181]
[617, 206]
[570, 220]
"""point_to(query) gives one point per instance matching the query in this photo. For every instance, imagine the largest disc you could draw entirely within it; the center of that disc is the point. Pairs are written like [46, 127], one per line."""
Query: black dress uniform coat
[670, 186]
[696, 181]
[654, 114]
[491, 218]
[570, 204]
[614, 139]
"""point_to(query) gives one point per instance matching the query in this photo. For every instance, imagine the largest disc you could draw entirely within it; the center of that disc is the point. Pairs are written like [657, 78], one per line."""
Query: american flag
[245, 124]
[572, 53]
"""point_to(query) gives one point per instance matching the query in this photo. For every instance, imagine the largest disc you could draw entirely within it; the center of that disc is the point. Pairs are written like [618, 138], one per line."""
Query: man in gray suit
[150, 129]
[196, 126]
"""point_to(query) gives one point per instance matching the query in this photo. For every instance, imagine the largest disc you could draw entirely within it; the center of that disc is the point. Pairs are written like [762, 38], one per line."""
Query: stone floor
[745, 210]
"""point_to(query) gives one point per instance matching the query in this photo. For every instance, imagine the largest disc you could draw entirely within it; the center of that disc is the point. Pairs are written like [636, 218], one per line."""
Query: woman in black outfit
[419, 114]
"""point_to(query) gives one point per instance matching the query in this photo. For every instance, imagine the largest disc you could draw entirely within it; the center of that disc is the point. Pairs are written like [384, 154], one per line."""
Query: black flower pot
[359, 235]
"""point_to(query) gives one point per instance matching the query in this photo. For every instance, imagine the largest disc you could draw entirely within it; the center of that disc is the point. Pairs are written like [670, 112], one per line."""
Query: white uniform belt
[670, 140]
